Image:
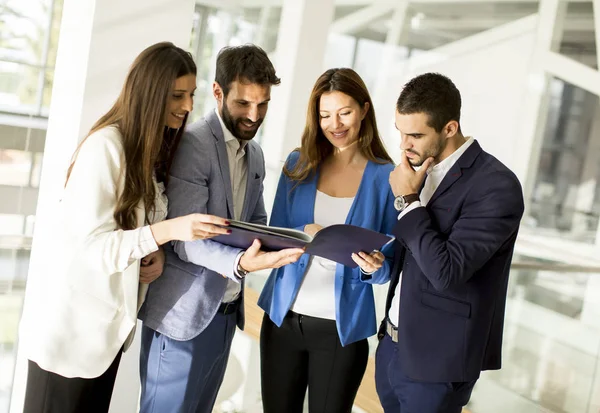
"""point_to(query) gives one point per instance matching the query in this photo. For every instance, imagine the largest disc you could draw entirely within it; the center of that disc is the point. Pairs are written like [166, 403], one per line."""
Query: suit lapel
[451, 177]
[215, 126]
[454, 174]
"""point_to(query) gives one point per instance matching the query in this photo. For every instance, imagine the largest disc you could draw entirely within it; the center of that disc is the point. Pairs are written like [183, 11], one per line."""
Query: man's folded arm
[489, 218]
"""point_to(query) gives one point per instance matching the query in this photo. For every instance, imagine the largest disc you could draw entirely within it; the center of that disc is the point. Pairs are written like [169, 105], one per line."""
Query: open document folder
[336, 242]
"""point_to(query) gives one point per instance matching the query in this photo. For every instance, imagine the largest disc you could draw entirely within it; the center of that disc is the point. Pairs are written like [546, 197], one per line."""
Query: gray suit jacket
[185, 298]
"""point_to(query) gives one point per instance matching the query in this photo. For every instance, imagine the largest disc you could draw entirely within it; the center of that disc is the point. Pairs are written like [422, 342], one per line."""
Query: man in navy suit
[458, 217]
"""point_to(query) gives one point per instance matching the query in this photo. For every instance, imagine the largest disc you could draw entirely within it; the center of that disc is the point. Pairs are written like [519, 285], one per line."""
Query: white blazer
[82, 306]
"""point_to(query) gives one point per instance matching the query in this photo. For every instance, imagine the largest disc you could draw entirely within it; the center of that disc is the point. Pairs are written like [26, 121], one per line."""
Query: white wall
[491, 71]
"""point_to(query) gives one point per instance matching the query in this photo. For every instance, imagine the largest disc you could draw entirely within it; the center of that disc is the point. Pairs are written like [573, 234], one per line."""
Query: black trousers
[307, 352]
[52, 393]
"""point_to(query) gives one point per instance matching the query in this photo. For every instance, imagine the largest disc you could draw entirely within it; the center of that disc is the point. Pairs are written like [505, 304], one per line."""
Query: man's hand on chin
[404, 180]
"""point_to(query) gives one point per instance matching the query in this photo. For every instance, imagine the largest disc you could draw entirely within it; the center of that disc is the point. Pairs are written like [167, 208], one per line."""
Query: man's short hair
[433, 94]
[247, 63]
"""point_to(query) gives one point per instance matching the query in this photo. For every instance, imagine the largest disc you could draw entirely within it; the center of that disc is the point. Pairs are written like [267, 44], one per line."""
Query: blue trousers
[400, 394]
[185, 376]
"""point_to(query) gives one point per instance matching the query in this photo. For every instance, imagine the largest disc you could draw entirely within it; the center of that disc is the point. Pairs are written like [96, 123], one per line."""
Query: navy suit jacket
[455, 257]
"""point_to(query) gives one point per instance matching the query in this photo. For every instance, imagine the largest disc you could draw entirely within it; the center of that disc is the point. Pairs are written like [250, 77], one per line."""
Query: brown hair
[246, 63]
[433, 94]
[315, 147]
[139, 114]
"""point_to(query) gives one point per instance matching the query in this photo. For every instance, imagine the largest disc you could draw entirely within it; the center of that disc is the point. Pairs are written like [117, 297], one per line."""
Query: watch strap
[410, 198]
[238, 270]
[241, 271]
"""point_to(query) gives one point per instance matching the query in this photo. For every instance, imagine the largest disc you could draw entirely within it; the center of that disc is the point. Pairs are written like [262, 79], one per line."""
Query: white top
[435, 175]
[238, 173]
[316, 296]
[83, 287]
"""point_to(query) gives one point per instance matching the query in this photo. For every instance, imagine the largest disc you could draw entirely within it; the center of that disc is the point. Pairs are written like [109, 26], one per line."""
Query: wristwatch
[402, 201]
[239, 269]
[242, 272]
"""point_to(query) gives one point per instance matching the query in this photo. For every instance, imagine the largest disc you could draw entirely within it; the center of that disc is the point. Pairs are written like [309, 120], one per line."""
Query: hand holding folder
[336, 242]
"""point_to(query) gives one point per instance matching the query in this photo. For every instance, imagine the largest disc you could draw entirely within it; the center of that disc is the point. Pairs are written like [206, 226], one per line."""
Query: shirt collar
[239, 144]
[444, 166]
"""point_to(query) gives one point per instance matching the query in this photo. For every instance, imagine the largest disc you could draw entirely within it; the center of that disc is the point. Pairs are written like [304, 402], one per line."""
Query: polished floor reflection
[550, 357]
[538, 375]
[551, 347]
[554, 376]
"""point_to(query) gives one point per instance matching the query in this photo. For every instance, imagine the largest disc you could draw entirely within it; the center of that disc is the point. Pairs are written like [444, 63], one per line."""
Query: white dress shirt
[238, 173]
[434, 178]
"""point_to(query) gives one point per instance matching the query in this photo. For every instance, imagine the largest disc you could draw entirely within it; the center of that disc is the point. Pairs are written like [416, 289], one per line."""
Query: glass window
[340, 51]
[18, 87]
[15, 167]
[27, 53]
[36, 170]
[28, 42]
[11, 224]
[566, 195]
[214, 29]
[577, 41]
[368, 51]
[24, 27]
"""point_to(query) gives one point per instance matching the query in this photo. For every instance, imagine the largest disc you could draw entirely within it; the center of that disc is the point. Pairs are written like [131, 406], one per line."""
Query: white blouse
[83, 291]
[316, 297]
[161, 203]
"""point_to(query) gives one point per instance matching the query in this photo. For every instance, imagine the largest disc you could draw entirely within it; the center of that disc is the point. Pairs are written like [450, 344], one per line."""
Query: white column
[393, 66]
[597, 32]
[98, 42]
[551, 18]
[298, 60]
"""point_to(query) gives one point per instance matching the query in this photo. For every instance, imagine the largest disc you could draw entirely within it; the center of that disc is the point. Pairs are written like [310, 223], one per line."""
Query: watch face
[399, 203]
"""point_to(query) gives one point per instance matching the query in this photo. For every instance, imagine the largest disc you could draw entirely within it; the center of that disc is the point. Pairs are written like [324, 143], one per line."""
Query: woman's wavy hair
[140, 114]
[315, 147]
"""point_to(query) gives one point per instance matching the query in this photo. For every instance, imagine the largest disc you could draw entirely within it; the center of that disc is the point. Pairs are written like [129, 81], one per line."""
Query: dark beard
[434, 152]
[233, 125]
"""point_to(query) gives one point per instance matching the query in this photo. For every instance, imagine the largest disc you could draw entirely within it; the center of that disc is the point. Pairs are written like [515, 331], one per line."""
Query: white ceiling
[433, 23]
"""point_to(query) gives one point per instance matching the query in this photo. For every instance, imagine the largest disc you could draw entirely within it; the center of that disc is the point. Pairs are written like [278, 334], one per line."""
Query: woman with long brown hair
[318, 314]
[106, 245]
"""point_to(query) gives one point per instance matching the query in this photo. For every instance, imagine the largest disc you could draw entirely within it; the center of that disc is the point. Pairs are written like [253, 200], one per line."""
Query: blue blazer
[373, 209]
[454, 255]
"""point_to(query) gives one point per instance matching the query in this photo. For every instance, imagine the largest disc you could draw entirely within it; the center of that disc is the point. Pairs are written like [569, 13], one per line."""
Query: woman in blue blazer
[318, 314]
